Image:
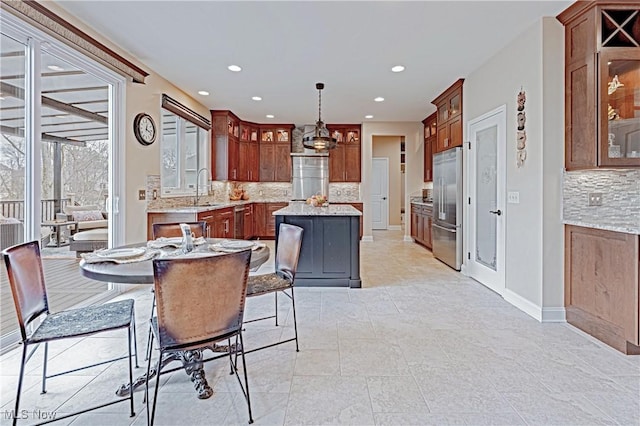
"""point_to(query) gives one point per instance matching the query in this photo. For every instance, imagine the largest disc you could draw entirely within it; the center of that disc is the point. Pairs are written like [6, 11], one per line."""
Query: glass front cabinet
[620, 107]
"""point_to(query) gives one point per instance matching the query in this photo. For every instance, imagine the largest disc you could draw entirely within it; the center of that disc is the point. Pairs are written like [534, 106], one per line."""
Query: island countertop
[303, 209]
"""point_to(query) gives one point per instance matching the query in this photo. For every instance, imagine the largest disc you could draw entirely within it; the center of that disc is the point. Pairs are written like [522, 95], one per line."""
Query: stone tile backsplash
[620, 189]
[257, 191]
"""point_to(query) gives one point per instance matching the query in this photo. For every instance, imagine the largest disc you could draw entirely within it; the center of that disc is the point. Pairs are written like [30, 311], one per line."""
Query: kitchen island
[330, 253]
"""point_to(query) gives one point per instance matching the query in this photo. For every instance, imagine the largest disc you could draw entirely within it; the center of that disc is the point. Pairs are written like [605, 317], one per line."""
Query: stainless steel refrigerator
[447, 207]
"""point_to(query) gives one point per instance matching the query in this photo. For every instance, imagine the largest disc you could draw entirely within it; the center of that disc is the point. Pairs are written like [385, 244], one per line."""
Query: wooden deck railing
[15, 208]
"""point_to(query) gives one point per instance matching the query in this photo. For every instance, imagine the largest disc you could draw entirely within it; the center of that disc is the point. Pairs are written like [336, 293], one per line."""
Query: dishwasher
[238, 222]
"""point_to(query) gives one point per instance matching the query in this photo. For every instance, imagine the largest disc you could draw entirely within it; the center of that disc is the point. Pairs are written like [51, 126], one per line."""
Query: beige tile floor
[418, 344]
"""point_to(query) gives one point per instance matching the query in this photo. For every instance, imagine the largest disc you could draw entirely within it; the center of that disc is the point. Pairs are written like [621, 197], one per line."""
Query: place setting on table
[132, 264]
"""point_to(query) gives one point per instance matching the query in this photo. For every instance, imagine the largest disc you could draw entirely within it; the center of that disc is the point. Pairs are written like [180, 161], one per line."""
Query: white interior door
[380, 193]
[487, 176]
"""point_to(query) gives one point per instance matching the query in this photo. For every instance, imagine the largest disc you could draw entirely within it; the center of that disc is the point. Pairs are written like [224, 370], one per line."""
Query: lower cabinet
[224, 223]
[601, 285]
[360, 208]
[248, 222]
[265, 222]
[421, 220]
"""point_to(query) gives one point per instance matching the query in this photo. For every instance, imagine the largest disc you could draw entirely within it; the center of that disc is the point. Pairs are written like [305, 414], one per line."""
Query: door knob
[384, 198]
[496, 212]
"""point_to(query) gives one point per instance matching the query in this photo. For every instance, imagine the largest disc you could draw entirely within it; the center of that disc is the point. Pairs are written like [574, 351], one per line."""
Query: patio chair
[286, 264]
[26, 278]
[200, 301]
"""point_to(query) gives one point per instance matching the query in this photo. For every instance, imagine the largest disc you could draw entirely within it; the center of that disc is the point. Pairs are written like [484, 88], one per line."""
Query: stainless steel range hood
[310, 175]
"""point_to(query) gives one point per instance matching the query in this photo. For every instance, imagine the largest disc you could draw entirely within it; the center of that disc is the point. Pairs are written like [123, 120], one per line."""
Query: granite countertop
[423, 203]
[624, 228]
[200, 209]
[303, 209]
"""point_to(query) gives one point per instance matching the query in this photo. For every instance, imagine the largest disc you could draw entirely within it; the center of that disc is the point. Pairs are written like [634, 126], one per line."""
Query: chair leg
[276, 297]
[232, 362]
[148, 352]
[44, 368]
[131, 366]
[22, 365]
[155, 394]
[246, 378]
[135, 340]
[295, 322]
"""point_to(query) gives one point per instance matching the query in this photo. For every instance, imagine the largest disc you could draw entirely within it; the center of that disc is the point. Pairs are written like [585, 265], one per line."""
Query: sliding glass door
[58, 183]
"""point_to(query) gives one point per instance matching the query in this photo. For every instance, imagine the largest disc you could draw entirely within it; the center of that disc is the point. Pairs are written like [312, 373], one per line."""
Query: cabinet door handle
[226, 226]
[446, 141]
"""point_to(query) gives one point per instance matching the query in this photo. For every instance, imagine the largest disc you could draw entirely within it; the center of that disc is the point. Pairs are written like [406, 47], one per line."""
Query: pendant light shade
[321, 139]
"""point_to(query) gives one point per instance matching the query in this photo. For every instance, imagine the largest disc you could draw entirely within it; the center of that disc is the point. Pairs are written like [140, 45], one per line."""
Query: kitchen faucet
[197, 199]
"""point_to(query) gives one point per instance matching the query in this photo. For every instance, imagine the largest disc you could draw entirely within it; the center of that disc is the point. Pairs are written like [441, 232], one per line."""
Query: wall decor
[521, 133]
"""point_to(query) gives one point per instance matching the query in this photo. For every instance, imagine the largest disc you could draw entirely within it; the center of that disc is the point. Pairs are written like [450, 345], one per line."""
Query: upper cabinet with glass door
[620, 108]
[602, 84]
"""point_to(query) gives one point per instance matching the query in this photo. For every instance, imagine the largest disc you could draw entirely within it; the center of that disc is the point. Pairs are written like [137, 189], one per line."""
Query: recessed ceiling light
[397, 68]
[203, 93]
[55, 68]
[256, 98]
[368, 116]
[271, 116]
[379, 99]
[234, 68]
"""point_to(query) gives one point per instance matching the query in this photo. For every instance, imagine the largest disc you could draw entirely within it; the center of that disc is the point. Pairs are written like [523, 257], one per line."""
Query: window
[185, 150]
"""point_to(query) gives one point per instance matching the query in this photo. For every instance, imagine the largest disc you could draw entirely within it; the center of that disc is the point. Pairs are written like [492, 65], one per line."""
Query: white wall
[534, 62]
[412, 131]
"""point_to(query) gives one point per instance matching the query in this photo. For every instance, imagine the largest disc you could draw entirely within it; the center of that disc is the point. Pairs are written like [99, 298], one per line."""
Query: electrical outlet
[513, 197]
[142, 194]
[595, 198]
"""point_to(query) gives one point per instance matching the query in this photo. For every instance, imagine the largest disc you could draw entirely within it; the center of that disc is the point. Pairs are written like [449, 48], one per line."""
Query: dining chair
[168, 230]
[172, 229]
[199, 301]
[286, 263]
[26, 279]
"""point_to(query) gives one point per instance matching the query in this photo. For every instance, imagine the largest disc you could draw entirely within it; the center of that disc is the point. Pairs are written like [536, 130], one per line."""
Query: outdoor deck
[66, 287]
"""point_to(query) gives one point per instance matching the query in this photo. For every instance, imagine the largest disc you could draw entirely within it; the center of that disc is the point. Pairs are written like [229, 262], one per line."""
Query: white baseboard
[557, 314]
[394, 228]
[367, 239]
[554, 315]
[523, 304]
[408, 239]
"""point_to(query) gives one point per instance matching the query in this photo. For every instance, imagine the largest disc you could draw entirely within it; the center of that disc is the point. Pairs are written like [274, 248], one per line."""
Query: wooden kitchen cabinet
[225, 132]
[602, 84]
[265, 223]
[430, 139]
[345, 160]
[249, 219]
[421, 221]
[275, 153]
[449, 117]
[223, 223]
[249, 153]
[601, 285]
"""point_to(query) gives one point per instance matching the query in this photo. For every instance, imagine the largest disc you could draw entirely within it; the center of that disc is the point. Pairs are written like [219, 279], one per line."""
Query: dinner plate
[236, 244]
[123, 253]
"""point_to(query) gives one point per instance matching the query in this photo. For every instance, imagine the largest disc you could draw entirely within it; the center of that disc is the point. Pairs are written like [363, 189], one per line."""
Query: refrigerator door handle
[443, 228]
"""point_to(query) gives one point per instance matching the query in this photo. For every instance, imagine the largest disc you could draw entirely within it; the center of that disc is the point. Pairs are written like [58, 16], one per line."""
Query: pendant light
[321, 139]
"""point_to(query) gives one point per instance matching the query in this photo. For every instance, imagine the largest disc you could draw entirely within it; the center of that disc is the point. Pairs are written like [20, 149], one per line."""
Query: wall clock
[144, 128]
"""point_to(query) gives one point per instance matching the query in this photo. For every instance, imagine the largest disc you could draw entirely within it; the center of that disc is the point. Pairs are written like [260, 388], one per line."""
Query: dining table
[133, 264]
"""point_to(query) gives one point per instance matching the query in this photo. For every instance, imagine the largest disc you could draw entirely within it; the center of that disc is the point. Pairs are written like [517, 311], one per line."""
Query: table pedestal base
[192, 364]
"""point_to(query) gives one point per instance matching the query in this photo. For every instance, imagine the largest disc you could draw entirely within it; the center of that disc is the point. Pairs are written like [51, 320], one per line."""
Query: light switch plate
[142, 194]
[513, 197]
[595, 198]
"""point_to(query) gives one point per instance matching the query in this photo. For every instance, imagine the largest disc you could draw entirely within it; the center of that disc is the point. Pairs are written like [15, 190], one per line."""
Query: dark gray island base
[330, 253]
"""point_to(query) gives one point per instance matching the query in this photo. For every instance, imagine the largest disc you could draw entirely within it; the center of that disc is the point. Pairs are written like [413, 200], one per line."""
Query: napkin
[95, 258]
[221, 248]
[174, 242]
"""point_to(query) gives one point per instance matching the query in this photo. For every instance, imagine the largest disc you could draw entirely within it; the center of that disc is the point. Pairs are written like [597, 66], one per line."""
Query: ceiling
[284, 48]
